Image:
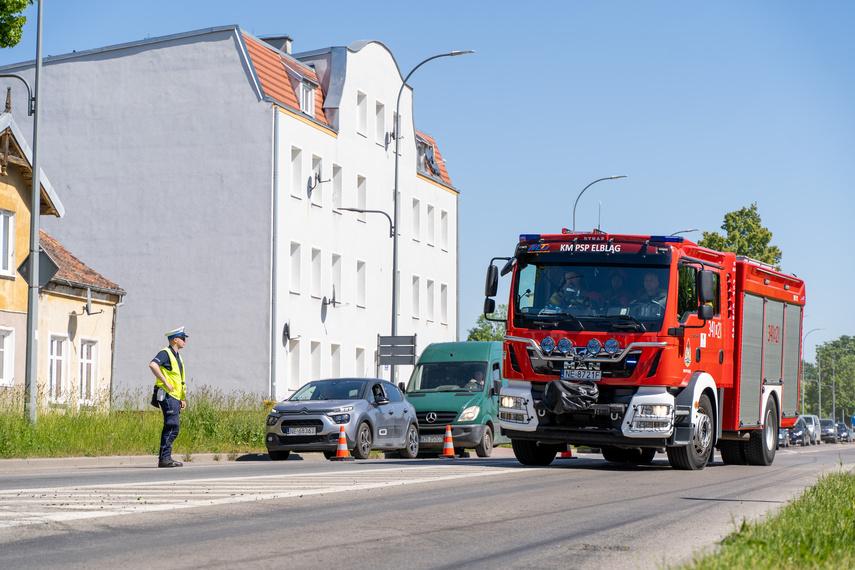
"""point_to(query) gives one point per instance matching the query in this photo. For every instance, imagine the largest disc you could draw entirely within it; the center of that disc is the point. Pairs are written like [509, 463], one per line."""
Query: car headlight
[470, 413]
[271, 420]
[341, 418]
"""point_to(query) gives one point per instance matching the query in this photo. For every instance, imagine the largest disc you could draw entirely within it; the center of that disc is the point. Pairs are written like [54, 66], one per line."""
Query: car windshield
[448, 377]
[342, 389]
[826, 423]
[596, 297]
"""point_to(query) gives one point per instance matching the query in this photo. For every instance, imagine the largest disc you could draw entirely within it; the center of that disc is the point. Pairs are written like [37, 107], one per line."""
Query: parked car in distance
[373, 412]
[783, 437]
[798, 433]
[843, 432]
[827, 430]
[812, 426]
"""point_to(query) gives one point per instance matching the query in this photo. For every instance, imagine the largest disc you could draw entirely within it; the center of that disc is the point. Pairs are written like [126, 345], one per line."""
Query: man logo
[430, 417]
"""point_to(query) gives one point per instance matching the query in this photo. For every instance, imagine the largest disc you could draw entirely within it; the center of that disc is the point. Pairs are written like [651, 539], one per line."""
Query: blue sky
[706, 107]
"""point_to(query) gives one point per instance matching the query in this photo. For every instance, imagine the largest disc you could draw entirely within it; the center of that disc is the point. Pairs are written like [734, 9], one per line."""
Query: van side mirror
[402, 387]
[496, 388]
[491, 286]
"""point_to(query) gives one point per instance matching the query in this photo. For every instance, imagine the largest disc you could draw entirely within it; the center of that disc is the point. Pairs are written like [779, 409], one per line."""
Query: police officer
[168, 368]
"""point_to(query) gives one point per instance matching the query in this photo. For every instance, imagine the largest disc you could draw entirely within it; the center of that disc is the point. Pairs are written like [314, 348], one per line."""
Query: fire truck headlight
[512, 402]
[654, 410]
[547, 345]
[593, 347]
[565, 346]
[612, 346]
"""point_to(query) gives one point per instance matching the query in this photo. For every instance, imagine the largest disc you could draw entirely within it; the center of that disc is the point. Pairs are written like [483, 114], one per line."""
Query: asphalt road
[425, 513]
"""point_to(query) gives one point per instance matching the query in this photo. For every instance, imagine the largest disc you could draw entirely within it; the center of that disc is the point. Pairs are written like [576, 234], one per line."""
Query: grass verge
[816, 530]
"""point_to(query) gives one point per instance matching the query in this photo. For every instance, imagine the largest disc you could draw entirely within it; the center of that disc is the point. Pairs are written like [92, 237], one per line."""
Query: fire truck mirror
[492, 284]
[489, 306]
[509, 266]
[705, 312]
[706, 287]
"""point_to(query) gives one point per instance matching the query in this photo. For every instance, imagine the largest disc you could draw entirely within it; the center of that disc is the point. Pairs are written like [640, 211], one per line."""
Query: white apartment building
[204, 172]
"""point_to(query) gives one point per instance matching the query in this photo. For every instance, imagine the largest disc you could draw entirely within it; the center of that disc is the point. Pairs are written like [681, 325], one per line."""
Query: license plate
[431, 439]
[300, 431]
[582, 375]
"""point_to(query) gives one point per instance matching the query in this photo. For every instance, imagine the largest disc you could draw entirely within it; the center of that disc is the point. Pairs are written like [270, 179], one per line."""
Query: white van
[812, 425]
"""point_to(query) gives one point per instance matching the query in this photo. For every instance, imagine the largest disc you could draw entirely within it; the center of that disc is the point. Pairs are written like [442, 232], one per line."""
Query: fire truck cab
[631, 344]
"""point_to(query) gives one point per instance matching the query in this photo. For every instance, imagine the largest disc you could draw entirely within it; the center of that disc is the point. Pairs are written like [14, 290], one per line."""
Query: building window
[57, 367]
[294, 285]
[335, 361]
[315, 349]
[361, 113]
[316, 273]
[88, 369]
[307, 98]
[7, 357]
[7, 243]
[415, 297]
[443, 304]
[443, 230]
[360, 284]
[380, 123]
[296, 172]
[360, 363]
[361, 196]
[430, 225]
[317, 193]
[426, 162]
[335, 275]
[429, 299]
[336, 188]
[417, 224]
[294, 356]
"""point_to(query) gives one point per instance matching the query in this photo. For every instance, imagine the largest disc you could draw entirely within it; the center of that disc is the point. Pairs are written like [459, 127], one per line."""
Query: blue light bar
[529, 237]
[667, 239]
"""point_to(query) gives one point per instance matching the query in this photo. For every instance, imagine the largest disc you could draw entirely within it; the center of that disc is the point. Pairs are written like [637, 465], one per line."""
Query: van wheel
[485, 448]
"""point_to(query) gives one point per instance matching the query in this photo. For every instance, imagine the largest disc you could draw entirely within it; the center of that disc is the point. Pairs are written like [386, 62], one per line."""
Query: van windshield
[448, 377]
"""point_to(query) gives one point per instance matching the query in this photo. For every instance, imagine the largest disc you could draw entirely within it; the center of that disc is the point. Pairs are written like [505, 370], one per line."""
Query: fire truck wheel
[732, 452]
[695, 456]
[530, 453]
[760, 449]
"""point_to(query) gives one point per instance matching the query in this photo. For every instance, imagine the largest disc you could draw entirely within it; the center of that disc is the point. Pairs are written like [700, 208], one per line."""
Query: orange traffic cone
[569, 454]
[448, 446]
[341, 453]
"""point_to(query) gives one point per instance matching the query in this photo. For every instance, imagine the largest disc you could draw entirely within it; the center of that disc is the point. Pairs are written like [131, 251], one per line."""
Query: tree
[744, 236]
[11, 22]
[836, 370]
[489, 330]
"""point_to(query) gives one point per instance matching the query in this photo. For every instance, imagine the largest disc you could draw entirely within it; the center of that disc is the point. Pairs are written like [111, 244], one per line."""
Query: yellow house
[77, 308]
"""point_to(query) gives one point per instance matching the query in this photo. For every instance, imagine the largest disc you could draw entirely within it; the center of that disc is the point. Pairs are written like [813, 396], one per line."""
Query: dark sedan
[373, 413]
[827, 430]
[843, 432]
[799, 434]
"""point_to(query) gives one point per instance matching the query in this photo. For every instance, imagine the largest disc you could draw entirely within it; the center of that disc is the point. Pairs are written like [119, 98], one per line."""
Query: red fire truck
[633, 344]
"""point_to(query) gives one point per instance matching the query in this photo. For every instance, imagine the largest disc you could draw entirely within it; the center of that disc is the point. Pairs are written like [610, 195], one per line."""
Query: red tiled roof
[443, 172]
[72, 269]
[277, 82]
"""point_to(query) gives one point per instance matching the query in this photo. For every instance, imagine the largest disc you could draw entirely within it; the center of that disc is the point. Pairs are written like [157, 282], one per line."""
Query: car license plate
[300, 431]
[582, 375]
[430, 439]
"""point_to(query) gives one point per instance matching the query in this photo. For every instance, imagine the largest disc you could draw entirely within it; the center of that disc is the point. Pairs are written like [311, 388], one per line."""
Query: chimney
[282, 43]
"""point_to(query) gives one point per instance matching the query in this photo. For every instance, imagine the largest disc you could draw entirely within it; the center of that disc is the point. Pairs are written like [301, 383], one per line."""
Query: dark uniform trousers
[171, 408]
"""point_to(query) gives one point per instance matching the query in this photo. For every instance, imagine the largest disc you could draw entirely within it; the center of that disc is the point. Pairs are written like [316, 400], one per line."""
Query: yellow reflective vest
[174, 376]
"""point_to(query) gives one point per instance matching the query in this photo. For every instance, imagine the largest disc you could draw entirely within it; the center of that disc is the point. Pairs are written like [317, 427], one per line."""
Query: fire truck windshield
[594, 297]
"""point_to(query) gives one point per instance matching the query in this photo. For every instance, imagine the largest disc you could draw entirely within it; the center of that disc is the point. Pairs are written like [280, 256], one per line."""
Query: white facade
[186, 179]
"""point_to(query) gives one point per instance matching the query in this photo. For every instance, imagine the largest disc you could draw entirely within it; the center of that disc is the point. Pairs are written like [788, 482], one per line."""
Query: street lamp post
[583, 191]
[803, 366]
[394, 223]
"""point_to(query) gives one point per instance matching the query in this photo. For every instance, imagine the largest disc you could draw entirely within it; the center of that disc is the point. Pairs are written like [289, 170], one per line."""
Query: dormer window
[426, 160]
[307, 98]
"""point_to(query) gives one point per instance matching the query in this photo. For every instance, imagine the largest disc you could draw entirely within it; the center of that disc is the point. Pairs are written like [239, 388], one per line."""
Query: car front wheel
[411, 448]
[364, 441]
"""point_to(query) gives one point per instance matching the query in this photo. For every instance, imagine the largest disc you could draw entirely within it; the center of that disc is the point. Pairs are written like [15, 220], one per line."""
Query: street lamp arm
[583, 191]
[360, 210]
[31, 100]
